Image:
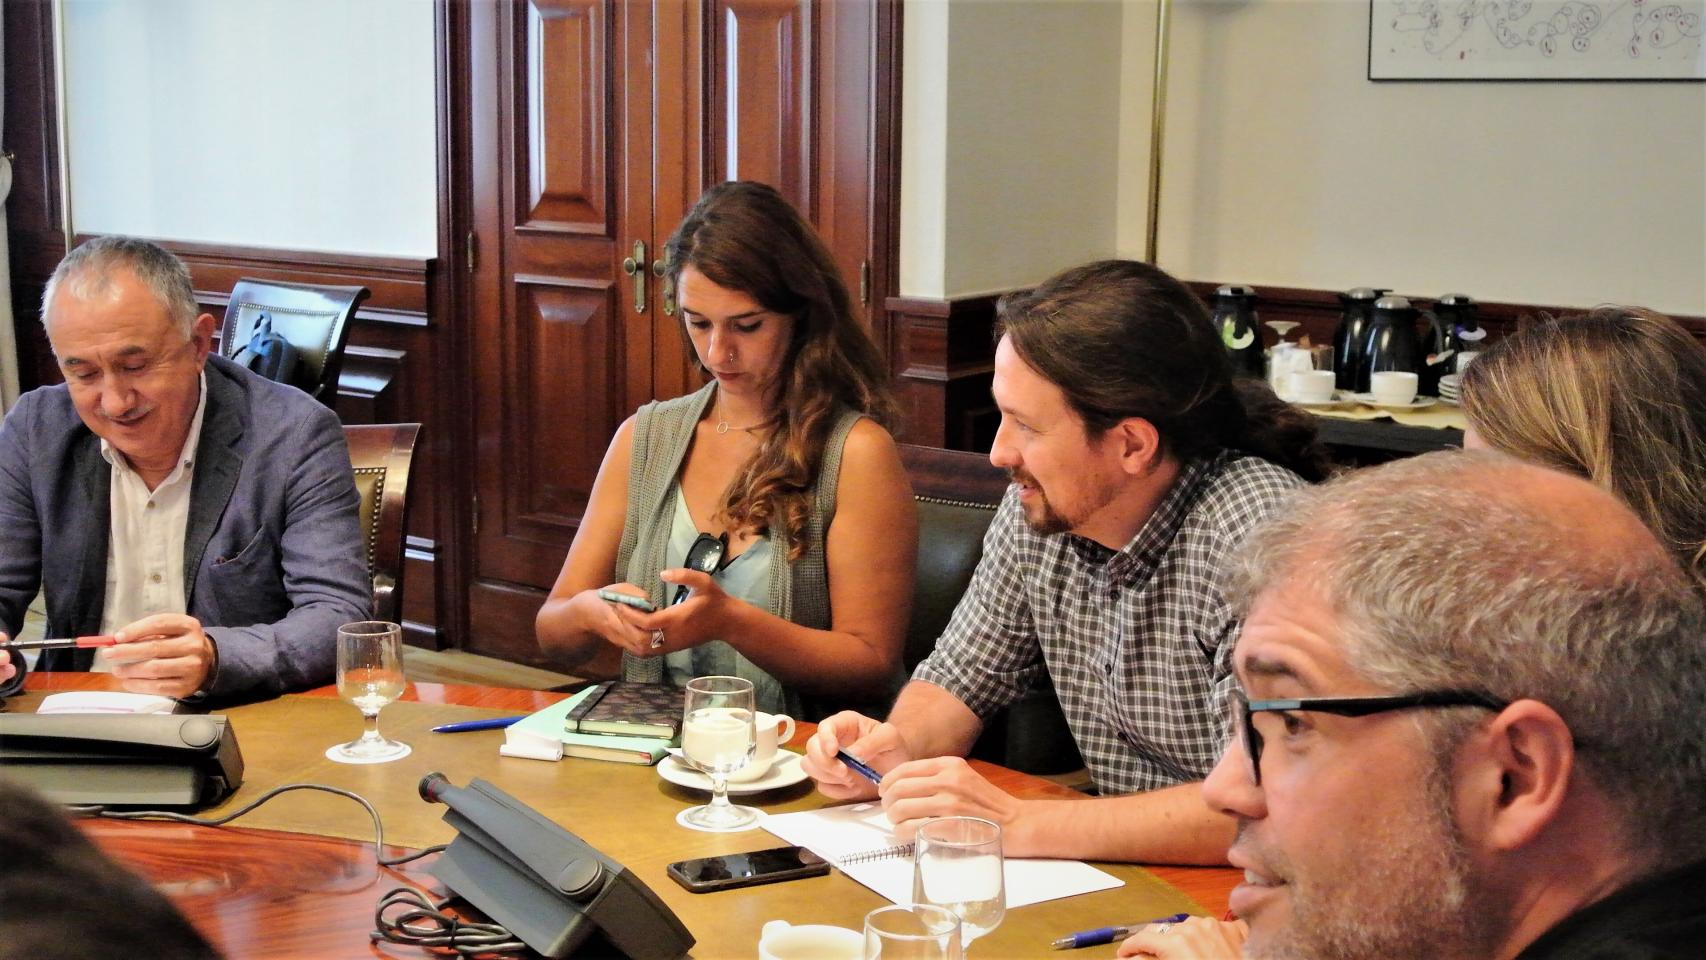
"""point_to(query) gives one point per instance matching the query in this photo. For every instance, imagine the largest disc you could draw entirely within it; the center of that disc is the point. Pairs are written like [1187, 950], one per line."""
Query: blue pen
[1101, 935]
[495, 723]
[858, 767]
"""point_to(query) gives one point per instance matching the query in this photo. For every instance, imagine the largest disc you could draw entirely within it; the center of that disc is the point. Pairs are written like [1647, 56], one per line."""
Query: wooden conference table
[297, 879]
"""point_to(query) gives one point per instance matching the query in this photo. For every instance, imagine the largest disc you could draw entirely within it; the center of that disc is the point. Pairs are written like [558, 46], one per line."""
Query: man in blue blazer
[203, 516]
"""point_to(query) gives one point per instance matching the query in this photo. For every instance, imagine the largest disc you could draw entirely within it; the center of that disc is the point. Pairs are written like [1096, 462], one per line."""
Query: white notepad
[860, 841]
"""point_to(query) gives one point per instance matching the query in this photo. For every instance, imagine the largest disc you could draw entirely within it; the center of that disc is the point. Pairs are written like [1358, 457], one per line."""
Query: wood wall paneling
[942, 357]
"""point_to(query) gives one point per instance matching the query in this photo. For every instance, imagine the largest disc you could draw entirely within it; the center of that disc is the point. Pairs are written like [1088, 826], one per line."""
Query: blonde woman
[779, 475]
[1616, 395]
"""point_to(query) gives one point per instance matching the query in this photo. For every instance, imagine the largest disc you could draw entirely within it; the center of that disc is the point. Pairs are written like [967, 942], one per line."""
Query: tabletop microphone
[577, 877]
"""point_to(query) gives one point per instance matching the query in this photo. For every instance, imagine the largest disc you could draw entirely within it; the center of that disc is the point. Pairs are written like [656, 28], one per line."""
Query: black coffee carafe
[1235, 318]
[1439, 355]
[1349, 362]
[1458, 314]
[1390, 342]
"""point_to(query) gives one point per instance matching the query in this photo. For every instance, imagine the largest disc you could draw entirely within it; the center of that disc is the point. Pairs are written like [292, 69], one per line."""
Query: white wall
[300, 124]
[1010, 130]
[1284, 165]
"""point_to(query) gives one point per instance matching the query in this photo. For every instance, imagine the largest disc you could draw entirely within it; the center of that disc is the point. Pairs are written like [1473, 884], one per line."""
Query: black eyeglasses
[1244, 711]
[705, 556]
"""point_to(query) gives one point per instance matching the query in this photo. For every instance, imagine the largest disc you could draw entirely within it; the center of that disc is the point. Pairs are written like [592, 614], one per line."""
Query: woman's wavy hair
[744, 236]
[1123, 339]
[1616, 395]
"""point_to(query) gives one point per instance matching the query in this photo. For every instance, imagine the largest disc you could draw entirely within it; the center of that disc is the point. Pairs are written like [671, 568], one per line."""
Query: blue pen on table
[858, 767]
[495, 723]
[1101, 935]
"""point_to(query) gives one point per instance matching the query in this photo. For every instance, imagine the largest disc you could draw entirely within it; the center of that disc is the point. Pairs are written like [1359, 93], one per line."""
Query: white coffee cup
[771, 731]
[782, 940]
[1312, 386]
[1395, 387]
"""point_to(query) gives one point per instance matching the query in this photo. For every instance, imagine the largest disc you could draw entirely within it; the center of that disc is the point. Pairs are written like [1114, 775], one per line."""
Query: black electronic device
[550, 888]
[747, 869]
[128, 760]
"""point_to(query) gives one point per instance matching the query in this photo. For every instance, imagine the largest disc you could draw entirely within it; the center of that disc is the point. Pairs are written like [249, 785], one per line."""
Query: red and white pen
[64, 643]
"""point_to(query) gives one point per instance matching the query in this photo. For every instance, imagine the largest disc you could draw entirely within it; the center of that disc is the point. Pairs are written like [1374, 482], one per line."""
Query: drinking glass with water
[957, 865]
[370, 675]
[718, 736]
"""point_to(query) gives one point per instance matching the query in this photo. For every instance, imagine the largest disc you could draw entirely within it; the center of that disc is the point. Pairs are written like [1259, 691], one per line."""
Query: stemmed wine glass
[956, 864]
[718, 736]
[370, 675]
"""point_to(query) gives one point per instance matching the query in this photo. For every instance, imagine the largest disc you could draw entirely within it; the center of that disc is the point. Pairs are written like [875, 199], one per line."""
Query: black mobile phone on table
[746, 869]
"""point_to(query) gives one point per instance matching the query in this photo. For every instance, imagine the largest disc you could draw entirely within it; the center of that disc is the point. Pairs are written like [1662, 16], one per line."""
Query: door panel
[562, 92]
[678, 174]
[552, 313]
[761, 110]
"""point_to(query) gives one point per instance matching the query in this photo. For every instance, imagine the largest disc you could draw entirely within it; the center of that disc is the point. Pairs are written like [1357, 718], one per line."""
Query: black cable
[424, 924]
[378, 827]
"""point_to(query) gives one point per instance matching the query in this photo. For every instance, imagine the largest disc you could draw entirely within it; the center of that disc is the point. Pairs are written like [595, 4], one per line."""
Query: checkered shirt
[1138, 643]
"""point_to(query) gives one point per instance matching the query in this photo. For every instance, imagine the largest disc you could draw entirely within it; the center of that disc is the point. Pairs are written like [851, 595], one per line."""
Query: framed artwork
[1536, 40]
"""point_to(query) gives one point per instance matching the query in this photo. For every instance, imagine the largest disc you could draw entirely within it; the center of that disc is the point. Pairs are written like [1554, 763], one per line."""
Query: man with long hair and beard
[1138, 464]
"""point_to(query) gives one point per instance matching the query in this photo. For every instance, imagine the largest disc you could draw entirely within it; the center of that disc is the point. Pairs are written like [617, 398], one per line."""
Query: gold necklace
[723, 425]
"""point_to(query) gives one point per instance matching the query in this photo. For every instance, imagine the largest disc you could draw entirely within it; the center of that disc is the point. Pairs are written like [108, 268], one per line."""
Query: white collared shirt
[145, 539]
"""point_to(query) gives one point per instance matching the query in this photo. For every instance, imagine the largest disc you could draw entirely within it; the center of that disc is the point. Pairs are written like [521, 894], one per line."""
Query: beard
[1409, 892]
[1047, 519]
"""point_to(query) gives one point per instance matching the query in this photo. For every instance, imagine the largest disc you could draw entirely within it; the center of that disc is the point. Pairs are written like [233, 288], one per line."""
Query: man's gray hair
[1447, 571]
[87, 273]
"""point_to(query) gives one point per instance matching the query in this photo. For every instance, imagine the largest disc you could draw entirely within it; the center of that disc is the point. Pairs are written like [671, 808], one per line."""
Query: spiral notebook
[860, 841]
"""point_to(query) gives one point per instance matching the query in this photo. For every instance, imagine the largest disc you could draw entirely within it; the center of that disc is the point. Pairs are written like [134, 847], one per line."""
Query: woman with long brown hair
[779, 476]
[1616, 395]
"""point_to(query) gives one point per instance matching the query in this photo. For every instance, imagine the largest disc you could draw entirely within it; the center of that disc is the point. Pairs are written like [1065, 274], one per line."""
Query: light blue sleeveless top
[747, 578]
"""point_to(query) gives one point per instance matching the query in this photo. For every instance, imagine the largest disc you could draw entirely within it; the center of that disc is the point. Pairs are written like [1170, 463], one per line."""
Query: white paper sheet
[837, 833]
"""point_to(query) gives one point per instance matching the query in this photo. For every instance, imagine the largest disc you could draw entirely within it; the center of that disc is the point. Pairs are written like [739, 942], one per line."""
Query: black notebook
[628, 709]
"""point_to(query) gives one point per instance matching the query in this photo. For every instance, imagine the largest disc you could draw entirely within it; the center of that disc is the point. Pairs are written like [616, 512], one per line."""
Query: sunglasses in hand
[705, 556]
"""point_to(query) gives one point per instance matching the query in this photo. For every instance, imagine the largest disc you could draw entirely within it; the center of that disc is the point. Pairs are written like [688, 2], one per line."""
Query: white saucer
[1336, 401]
[1420, 403]
[785, 772]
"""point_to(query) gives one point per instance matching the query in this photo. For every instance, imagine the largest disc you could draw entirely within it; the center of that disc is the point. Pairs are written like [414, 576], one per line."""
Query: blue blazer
[274, 561]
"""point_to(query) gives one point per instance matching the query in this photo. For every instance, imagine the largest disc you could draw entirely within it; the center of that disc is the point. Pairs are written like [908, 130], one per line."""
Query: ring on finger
[657, 639]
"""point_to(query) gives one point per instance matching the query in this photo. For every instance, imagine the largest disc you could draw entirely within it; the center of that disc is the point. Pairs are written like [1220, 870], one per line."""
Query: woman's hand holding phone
[627, 599]
[616, 613]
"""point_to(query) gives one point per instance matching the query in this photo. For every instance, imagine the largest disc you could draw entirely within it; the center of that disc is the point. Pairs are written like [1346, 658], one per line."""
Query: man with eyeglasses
[1469, 724]
[197, 523]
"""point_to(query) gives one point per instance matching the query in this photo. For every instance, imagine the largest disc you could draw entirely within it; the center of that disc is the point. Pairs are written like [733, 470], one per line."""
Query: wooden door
[561, 155]
[594, 127]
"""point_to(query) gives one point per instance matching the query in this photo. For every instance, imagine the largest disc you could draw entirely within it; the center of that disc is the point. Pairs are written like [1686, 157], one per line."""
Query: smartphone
[746, 869]
[616, 596]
